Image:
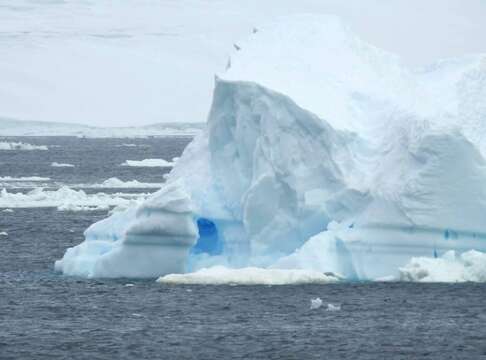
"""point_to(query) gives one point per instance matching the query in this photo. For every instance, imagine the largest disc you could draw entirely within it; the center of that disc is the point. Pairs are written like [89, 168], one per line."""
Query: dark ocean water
[44, 315]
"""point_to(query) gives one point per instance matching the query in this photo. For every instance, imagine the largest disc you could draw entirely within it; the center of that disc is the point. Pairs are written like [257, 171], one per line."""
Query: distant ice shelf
[12, 127]
[321, 153]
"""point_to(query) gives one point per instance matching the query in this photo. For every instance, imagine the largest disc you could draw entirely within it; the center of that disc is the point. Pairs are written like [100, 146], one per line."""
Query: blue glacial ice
[321, 153]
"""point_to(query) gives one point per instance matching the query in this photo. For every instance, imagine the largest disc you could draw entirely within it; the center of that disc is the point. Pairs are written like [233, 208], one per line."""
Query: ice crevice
[333, 158]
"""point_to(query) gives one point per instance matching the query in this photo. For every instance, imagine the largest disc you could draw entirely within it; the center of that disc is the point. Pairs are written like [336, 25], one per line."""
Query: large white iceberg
[322, 153]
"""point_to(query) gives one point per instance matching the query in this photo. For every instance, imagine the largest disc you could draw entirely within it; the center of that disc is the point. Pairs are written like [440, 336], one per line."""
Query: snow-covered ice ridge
[321, 153]
[11, 127]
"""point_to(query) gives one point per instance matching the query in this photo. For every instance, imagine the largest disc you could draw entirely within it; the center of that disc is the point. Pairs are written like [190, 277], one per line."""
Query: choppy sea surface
[44, 315]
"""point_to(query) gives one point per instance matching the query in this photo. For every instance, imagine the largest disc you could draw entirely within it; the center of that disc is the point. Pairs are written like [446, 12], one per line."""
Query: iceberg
[321, 153]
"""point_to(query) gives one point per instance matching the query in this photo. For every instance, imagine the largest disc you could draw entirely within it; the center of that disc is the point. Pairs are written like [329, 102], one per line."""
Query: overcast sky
[117, 63]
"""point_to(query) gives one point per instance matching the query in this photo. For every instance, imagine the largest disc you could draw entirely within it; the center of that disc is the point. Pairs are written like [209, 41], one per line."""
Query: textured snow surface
[321, 153]
[148, 163]
[67, 199]
[220, 275]
[20, 146]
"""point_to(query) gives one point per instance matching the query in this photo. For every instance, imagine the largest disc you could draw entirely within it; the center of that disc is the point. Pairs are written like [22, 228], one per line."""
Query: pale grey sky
[139, 62]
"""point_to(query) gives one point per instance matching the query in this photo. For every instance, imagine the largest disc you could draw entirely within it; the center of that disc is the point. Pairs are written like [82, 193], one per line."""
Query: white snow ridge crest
[317, 156]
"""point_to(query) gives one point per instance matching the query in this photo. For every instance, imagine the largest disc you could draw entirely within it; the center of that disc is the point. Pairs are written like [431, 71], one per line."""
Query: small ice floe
[67, 199]
[315, 303]
[23, 178]
[7, 211]
[137, 315]
[3, 233]
[114, 183]
[148, 163]
[332, 307]
[56, 164]
[221, 275]
[20, 146]
[129, 285]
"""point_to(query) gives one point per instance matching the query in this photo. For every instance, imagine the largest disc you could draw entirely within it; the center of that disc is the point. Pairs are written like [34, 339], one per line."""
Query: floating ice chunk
[148, 163]
[333, 307]
[23, 182]
[7, 211]
[23, 178]
[77, 208]
[20, 146]
[117, 183]
[3, 233]
[316, 303]
[450, 267]
[220, 275]
[55, 164]
[129, 285]
[66, 199]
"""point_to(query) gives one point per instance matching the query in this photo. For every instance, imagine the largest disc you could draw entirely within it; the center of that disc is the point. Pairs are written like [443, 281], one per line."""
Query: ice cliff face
[321, 152]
